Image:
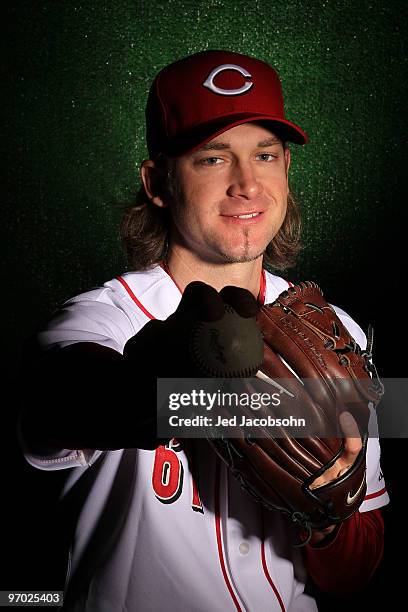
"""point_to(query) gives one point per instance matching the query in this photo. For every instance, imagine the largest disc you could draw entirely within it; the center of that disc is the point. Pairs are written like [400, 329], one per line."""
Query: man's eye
[211, 161]
[266, 157]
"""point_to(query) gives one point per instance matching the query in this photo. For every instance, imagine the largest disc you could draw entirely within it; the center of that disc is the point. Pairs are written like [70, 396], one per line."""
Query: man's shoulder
[122, 283]
[147, 294]
[110, 314]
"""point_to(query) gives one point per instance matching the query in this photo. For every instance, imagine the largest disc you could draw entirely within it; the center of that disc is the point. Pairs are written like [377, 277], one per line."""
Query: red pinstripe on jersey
[263, 556]
[218, 533]
[134, 298]
[265, 567]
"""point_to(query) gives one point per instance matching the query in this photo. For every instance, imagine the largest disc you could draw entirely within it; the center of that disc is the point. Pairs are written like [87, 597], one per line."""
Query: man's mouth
[247, 216]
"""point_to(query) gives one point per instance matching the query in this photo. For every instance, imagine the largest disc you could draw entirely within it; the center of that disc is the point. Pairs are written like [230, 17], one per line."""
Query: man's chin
[241, 258]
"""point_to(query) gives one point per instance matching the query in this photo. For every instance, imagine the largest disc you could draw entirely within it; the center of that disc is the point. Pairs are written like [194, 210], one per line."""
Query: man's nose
[244, 181]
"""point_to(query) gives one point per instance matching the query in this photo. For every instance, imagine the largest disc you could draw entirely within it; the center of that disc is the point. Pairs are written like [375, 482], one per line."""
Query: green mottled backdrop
[77, 78]
[80, 76]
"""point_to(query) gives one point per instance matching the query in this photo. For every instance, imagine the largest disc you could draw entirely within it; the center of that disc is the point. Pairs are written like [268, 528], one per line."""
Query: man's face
[231, 195]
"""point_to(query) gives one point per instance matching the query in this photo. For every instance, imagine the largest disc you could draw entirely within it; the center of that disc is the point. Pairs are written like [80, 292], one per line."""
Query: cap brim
[202, 134]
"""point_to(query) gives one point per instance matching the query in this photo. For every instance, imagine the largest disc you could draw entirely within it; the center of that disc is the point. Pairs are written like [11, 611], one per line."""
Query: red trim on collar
[261, 295]
[166, 268]
[262, 288]
[262, 285]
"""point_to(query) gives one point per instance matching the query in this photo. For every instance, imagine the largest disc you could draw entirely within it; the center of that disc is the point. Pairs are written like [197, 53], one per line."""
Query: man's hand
[352, 447]
[211, 334]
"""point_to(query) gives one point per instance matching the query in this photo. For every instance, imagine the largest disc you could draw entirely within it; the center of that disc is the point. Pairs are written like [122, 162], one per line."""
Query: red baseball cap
[200, 96]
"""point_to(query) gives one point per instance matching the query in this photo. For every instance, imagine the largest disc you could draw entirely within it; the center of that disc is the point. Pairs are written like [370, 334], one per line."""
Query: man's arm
[346, 562]
[89, 396]
[342, 558]
[86, 395]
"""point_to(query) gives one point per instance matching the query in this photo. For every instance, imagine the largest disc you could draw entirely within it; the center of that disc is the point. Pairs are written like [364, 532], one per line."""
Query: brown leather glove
[302, 331]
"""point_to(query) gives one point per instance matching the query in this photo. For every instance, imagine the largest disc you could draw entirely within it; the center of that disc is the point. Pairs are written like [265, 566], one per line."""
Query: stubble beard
[216, 253]
[246, 256]
[219, 255]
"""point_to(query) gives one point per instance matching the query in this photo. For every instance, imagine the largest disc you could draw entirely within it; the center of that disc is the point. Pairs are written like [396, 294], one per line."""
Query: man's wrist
[323, 537]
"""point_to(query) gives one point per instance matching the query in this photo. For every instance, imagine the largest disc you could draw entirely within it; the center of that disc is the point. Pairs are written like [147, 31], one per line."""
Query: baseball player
[161, 524]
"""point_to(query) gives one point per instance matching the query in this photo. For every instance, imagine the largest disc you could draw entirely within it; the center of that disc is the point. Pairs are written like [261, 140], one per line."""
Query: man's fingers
[349, 426]
[352, 447]
[352, 437]
[209, 305]
[241, 300]
[202, 300]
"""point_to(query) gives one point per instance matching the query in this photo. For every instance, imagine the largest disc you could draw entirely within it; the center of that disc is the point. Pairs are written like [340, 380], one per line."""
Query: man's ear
[152, 179]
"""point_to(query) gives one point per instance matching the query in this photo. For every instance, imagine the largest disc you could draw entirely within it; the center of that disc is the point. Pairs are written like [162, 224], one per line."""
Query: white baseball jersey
[168, 529]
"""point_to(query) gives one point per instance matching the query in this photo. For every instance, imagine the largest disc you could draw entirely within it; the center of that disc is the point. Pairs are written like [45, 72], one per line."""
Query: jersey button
[244, 548]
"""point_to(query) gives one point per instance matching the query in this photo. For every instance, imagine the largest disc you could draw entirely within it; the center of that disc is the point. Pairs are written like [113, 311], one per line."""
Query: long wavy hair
[145, 227]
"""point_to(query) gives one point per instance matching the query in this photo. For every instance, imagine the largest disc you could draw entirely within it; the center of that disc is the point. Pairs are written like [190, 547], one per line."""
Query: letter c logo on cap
[209, 82]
